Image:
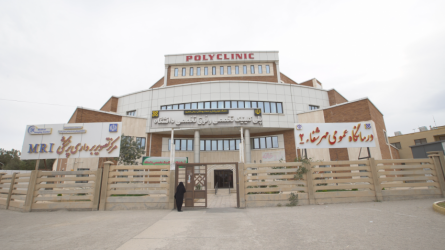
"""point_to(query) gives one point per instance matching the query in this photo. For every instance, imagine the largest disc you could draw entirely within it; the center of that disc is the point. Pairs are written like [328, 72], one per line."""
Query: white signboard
[335, 135]
[207, 118]
[79, 140]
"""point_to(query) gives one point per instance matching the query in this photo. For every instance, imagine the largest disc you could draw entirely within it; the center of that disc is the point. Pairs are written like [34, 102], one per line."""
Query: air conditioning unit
[397, 133]
[423, 128]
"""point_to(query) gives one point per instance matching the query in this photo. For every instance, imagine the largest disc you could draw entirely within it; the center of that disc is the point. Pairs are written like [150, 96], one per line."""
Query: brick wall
[395, 153]
[86, 116]
[377, 117]
[286, 79]
[309, 83]
[110, 105]
[335, 97]
[158, 83]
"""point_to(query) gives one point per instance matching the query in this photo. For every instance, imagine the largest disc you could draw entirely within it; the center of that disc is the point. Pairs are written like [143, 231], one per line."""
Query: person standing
[179, 196]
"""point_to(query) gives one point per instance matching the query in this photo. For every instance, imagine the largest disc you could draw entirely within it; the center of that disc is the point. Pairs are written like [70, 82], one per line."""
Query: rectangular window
[260, 69]
[386, 137]
[279, 108]
[256, 143]
[214, 145]
[163, 107]
[220, 104]
[221, 70]
[229, 70]
[202, 145]
[220, 145]
[187, 106]
[183, 71]
[232, 144]
[268, 142]
[275, 141]
[177, 145]
[191, 71]
[141, 142]
[214, 105]
[213, 70]
[198, 71]
[420, 141]
[206, 71]
[254, 105]
[237, 70]
[131, 113]
[227, 104]
[169, 107]
[245, 69]
[176, 71]
[267, 69]
[183, 145]
[169, 144]
[252, 69]
[190, 145]
[208, 145]
[240, 104]
[266, 107]
[207, 105]
[397, 145]
[260, 106]
[181, 106]
[247, 105]
[175, 106]
[234, 104]
[200, 105]
[226, 145]
[237, 142]
[262, 142]
[194, 105]
[273, 107]
[313, 107]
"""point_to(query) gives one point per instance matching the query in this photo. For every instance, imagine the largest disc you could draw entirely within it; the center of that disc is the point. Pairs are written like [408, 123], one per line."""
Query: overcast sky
[79, 53]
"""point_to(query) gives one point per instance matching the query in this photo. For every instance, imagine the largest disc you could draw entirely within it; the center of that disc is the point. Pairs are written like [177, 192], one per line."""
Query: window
[240, 104]
[191, 71]
[232, 145]
[247, 105]
[227, 104]
[82, 175]
[177, 145]
[141, 142]
[262, 142]
[220, 145]
[175, 106]
[202, 145]
[267, 69]
[397, 145]
[221, 70]
[234, 104]
[176, 71]
[206, 70]
[208, 145]
[420, 141]
[187, 106]
[214, 145]
[220, 105]
[275, 141]
[245, 69]
[200, 105]
[256, 143]
[260, 106]
[269, 142]
[313, 107]
[131, 113]
[265, 142]
[183, 71]
[182, 144]
[213, 70]
[226, 145]
[254, 105]
[181, 106]
[237, 143]
[163, 107]
[260, 69]
[169, 107]
[273, 107]
[279, 108]
[198, 71]
[194, 105]
[266, 107]
[207, 105]
[252, 69]
[229, 70]
[214, 105]
[440, 138]
[386, 137]
[237, 70]
[190, 145]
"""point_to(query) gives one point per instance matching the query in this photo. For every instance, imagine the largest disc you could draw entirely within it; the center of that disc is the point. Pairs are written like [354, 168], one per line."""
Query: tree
[11, 161]
[130, 151]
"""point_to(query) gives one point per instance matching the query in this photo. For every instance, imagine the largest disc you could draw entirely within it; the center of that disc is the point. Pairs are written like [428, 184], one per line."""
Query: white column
[172, 151]
[247, 157]
[165, 76]
[278, 71]
[196, 146]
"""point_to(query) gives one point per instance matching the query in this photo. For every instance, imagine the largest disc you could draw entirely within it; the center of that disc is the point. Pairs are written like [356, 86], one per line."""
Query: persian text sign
[335, 135]
[232, 118]
[80, 140]
[147, 160]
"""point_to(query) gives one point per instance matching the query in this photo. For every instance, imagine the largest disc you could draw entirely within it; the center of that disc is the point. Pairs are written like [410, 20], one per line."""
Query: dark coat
[180, 190]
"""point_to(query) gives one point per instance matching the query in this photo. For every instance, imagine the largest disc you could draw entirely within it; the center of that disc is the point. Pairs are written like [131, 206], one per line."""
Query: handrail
[216, 188]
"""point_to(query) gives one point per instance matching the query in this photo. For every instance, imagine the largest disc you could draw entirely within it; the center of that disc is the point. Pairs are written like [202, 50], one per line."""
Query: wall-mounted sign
[73, 141]
[206, 112]
[335, 135]
[147, 160]
[234, 118]
[33, 130]
[214, 57]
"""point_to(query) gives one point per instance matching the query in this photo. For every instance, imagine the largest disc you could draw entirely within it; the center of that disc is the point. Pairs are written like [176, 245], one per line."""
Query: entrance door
[194, 177]
[223, 178]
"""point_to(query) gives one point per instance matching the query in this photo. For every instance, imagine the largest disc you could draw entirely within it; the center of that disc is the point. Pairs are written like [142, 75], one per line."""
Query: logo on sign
[154, 114]
[299, 127]
[33, 130]
[257, 112]
[113, 127]
[367, 125]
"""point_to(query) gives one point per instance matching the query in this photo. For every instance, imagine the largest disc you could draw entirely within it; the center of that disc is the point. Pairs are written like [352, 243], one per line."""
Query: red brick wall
[286, 79]
[395, 153]
[309, 83]
[111, 105]
[335, 97]
[83, 115]
[377, 117]
[158, 83]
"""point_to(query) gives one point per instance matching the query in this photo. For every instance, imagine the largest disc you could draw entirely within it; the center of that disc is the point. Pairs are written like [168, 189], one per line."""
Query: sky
[80, 53]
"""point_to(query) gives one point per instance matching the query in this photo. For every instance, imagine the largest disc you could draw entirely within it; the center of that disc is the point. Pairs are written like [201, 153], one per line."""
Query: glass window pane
[143, 143]
[183, 71]
[189, 145]
[200, 105]
[213, 70]
[226, 145]
[252, 69]
[237, 70]
[208, 145]
[232, 144]
[260, 69]
[227, 104]
[177, 145]
[229, 70]
[194, 105]
[275, 141]
[198, 71]
[214, 145]
[266, 107]
[176, 72]
[254, 105]
[220, 104]
[269, 142]
[247, 105]
[279, 107]
[169, 107]
[273, 107]
[181, 106]
[163, 107]
[221, 70]
[206, 70]
[267, 69]
[214, 105]
[237, 142]
[240, 104]
[191, 71]
[220, 145]
[183, 145]
[234, 104]
[175, 106]
[169, 144]
[207, 105]
[202, 145]
[187, 106]
[260, 106]
[244, 69]
[262, 142]
[256, 143]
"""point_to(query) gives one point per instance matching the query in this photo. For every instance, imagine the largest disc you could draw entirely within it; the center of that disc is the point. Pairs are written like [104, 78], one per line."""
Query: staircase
[223, 191]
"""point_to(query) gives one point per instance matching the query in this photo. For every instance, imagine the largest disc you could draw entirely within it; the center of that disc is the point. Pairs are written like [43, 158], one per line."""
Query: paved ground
[222, 199]
[373, 225]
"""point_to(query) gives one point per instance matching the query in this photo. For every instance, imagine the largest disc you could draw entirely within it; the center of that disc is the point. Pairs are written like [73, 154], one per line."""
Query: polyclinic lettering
[212, 57]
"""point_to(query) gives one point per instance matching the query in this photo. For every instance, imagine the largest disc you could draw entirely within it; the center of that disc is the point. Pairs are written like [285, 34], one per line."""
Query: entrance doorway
[223, 178]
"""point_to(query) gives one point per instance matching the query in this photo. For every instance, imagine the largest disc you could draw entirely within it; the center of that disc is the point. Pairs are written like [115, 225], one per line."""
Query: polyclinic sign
[335, 135]
[73, 140]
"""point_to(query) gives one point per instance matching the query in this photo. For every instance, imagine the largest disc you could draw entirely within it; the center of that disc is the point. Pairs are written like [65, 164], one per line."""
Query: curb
[438, 208]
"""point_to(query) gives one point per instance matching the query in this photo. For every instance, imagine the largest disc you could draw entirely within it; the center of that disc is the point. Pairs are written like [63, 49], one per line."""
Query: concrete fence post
[11, 188]
[375, 179]
[439, 165]
[27, 207]
[242, 186]
[1, 174]
[104, 188]
[171, 189]
[97, 185]
[310, 184]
